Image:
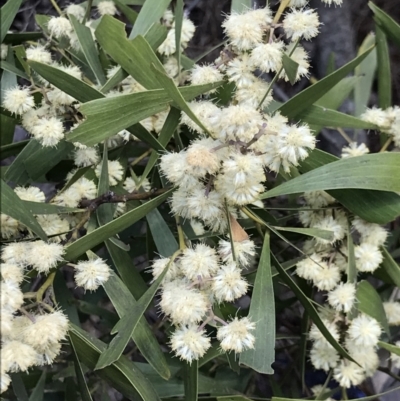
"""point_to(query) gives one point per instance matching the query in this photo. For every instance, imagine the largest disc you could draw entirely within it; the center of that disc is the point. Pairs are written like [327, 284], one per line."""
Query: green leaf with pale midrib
[262, 313]
[150, 13]
[106, 117]
[66, 82]
[374, 206]
[88, 46]
[312, 232]
[143, 336]
[321, 116]
[384, 74]
[377, 171]
[293, 107]
[164, 239]
[387, 23]
[290, 66]
[126, 326]
[370, 303]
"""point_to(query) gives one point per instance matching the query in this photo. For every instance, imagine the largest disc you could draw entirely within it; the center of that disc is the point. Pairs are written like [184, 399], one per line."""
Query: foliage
[188, 190]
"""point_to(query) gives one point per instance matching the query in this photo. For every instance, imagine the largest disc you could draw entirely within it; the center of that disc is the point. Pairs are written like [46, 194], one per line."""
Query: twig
[55, 5]
[389, 373]
[386, 144]
[112, 197]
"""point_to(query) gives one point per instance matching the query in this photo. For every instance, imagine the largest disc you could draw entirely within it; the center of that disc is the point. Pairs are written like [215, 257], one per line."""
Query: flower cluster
[387, 120]
[325, 264]
[28, 338]
[196, 279]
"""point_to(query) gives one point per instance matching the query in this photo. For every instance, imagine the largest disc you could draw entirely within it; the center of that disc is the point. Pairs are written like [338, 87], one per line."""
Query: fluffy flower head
[189, 343]
[236, 335]
[91, 274]
[18, 100]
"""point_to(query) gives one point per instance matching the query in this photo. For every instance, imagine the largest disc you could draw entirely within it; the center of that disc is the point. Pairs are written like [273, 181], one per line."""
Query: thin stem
[181, 235]
[251, 216]
[27, 314]
[386, 144]
[55, 5]
[281, 9]
[218, 319]
[45, 286]
[275, 78]
[111, 197]
[141, 157]
[344, 393]
[344, 135]
[87, 13]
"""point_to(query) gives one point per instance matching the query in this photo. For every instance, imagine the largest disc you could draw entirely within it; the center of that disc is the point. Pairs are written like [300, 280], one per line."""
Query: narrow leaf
[8, 13]
[143, 335]
[169, 85]
[131, 15]
[384, 73]
[311, 232]
[150, 13]
[104, 212]
[126, 326]
[67, 83]
[164, 239]
[80, 377]
[190, 380]
[106, 117]
[370, 303]
[374, 206]
[18, 387]
[387, 23]
[178, 31]
[293, 107]
[6, 66]
[321, 116]
[262, 313]
[167, 132]
[290, 66]
[239, 6]
[365, 71]
[134, 56]
[376, 171]
[38, 392]
[390, 347]
[127, 270]
[89, 49]
[391, 267]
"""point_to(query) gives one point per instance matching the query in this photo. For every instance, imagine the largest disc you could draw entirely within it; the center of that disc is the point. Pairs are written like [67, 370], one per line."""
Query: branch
[112, 197]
